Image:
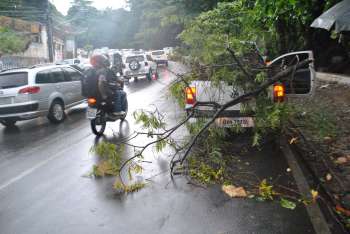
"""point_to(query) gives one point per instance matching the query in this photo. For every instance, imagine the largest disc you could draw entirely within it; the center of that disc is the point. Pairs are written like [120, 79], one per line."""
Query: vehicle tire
[134, 65]
[56, 112]
[9, 123]
[98, 129]
[126, 109]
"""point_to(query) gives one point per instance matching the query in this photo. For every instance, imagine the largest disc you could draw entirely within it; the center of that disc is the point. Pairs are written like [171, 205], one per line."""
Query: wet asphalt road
[44, 188]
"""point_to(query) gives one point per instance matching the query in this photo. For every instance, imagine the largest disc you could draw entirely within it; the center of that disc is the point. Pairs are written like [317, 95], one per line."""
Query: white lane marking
[39, 165]
[29, 171]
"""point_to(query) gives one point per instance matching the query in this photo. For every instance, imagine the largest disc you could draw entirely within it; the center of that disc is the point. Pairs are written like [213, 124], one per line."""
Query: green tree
[290, 20]
[10, 42]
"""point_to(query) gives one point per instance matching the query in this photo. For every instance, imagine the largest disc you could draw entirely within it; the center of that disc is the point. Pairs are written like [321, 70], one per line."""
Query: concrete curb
[316, 216]
[336, 78]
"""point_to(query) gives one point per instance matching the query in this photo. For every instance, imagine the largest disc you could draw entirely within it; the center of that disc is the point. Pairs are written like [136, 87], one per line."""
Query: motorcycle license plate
[91, 113]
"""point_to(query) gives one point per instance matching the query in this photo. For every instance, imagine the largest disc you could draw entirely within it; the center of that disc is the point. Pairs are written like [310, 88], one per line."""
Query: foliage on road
[110, 164]
[110, 158]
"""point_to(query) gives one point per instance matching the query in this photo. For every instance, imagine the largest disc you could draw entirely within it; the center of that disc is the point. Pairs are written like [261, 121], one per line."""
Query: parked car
[70, 61]
[215, 95]
[39, 91]
[139, 65]
[160, 57]
[168, 50]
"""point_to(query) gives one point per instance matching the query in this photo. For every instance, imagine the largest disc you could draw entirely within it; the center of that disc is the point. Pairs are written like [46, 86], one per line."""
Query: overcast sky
[63, 5]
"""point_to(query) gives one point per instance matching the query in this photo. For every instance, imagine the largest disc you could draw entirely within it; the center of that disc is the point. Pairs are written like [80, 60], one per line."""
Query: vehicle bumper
[20, 112]
[227, 119]
[128, 76]
[161, 61]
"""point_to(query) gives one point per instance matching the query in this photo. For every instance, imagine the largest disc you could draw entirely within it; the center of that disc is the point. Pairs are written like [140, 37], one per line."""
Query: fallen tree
[153, 122]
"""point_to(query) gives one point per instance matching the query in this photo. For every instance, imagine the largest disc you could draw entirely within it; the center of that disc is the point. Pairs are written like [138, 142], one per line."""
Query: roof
[337, 16]
[36, 68]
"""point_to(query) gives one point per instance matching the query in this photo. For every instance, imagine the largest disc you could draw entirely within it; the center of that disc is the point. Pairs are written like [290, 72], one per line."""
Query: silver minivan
[38, 91]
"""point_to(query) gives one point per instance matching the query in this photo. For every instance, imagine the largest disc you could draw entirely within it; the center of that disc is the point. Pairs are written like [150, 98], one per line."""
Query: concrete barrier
[334, 78]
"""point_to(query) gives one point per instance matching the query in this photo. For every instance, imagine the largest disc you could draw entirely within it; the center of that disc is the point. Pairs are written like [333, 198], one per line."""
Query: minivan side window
[72, 74]
[43, 77]
[57, 75]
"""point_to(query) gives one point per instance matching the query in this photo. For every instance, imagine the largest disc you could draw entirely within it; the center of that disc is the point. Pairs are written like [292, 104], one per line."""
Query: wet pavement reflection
[44, 187]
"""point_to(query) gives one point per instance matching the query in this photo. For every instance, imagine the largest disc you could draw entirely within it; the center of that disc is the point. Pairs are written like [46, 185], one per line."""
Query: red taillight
[29, 90]
[191, 95]
[279, 93]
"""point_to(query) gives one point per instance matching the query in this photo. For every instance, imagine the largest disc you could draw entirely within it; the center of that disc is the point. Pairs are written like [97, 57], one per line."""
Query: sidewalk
[322, 134]
[329, 77]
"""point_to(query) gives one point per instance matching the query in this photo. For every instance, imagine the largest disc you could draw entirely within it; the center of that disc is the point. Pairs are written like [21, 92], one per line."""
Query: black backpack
[90, 83]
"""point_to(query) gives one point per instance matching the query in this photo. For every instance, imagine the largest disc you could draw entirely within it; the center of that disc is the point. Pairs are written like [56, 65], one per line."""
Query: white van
[160, 57]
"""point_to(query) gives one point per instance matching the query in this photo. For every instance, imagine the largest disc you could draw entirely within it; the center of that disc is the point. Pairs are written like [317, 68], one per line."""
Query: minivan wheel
[56, 112]
[8, 123]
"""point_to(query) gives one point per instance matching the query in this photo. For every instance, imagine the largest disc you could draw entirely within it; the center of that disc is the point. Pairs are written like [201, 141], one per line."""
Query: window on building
[36, 38]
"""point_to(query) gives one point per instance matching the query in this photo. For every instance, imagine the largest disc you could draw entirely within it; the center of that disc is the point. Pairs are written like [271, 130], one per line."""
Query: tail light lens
[92, 101]
[191, 95]
[29, 90]
[279, 93]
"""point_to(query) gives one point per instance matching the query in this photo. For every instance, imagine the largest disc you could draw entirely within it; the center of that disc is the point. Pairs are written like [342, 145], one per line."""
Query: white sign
[70, 45]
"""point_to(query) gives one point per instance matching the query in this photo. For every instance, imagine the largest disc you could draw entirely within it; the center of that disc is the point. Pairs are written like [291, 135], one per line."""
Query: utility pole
[49, 30]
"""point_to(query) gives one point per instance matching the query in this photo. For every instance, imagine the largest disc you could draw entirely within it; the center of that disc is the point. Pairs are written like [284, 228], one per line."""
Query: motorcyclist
[108, 84]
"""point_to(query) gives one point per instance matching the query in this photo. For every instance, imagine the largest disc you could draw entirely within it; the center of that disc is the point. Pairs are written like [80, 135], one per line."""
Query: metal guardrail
[11, 62]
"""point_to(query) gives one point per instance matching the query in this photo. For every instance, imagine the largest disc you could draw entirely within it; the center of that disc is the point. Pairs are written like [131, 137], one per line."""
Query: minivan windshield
[159, 52]
[133, 58]
[13, 80]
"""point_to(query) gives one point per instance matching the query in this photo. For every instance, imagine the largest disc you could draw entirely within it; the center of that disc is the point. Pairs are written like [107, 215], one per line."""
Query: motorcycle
[101, 112]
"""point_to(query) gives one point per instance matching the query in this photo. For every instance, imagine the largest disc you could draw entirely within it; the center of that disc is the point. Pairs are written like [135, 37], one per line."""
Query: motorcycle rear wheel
[98, 129]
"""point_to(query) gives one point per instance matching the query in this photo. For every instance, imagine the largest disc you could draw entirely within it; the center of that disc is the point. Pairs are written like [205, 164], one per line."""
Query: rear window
[160, 52]
[13, 80]
[133, 58]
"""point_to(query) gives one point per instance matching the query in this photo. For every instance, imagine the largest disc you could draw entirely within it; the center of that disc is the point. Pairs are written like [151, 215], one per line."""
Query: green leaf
[288, 204]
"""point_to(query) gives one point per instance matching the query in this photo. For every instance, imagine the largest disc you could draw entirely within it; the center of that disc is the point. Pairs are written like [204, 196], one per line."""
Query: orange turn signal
[92, 101]
[278, 93]
[190, 95]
